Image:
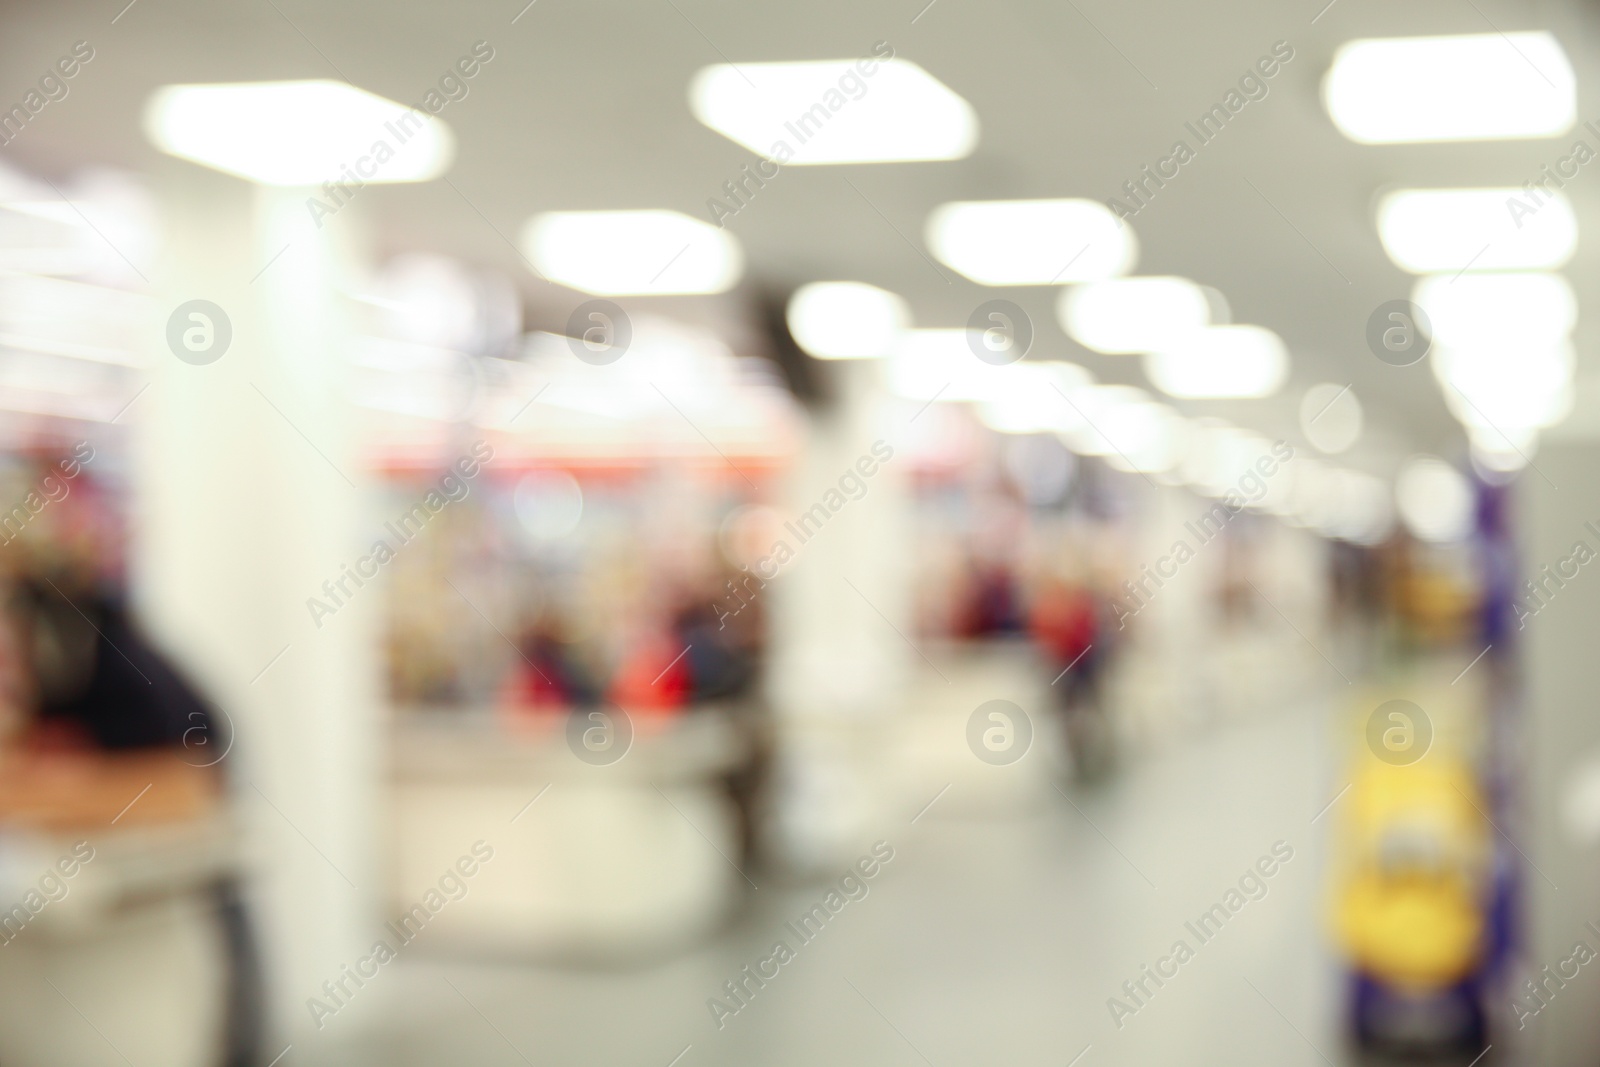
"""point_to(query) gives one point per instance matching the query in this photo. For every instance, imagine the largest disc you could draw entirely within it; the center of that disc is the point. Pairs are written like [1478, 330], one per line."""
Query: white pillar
[248, 496]
[1556, 827]
[1166, 628]
[840, 619]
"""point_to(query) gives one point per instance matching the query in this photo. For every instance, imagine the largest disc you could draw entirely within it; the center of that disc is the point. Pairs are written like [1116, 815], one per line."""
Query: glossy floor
[995, 941]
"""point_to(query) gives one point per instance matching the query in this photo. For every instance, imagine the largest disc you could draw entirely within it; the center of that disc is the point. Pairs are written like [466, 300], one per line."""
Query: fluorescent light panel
[835, 111]
[847, 320]
[1133, 314]
[1330, 417]
[940, 364]
[1513, 309]
[1518, 387]
[1143, 436]
[1033, 398]
[1434, 500]
[1454, 230]
[632, 253]
[1502, 453]
[1031, 242]
[1206, 462]
[297, 132]
[1102, 425]
[1478, 87]
[1221, 361]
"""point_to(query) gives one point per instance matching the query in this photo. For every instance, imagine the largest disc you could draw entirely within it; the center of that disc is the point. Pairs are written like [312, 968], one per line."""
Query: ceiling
[584, 106]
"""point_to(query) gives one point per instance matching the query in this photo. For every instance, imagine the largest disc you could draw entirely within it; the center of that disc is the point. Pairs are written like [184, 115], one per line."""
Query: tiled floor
[982, 942]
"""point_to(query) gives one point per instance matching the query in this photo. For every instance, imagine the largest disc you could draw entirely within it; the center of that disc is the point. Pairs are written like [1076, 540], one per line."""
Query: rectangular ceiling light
[1478, 87]
[1507, 389]
[1031, 242]
[1133, 314]
[1509, 312]
[1032, 397]
[835, 111]
[940, 364]
[1449, 231]
[847, 320]
[298, 133]
[632, 253]
[1120, 421]
[943, 365]
[1221, 361]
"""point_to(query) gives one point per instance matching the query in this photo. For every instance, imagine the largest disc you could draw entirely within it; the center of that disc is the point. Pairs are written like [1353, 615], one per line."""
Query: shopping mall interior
[684, 533]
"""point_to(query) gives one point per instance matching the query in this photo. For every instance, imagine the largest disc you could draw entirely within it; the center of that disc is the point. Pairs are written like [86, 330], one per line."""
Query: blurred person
[723, 645]
[992, 603]
[991, 606]
[548, 676]
[95, 715]
[96, 710]
[724, 660]
[652, 675]
[1065, 622]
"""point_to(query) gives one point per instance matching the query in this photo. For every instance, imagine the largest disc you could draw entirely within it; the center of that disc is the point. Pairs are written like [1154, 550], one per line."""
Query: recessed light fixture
[1454, 230]
[1206, 463]
[1032, 398]
[1144, 437]
[1103, 422]
[1221, 361]
[632, 253]
[1434, 500]
[1031, 242]
[1133, 314]
[1215, 455]
[942, 365]
[835, 111]
[847, 320]
[934, 364]
[1497, 454]
[1330, 417]
[298, 133]
[1516, 387]
[1477, 87]
[1363, 508]
[1512, 309]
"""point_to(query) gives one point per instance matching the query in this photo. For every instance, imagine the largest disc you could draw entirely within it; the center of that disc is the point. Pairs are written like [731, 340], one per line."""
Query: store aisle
[979, 942]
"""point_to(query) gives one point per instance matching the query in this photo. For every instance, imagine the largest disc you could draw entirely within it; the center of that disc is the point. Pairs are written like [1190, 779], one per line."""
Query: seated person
[96, 716]
[96, 726]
